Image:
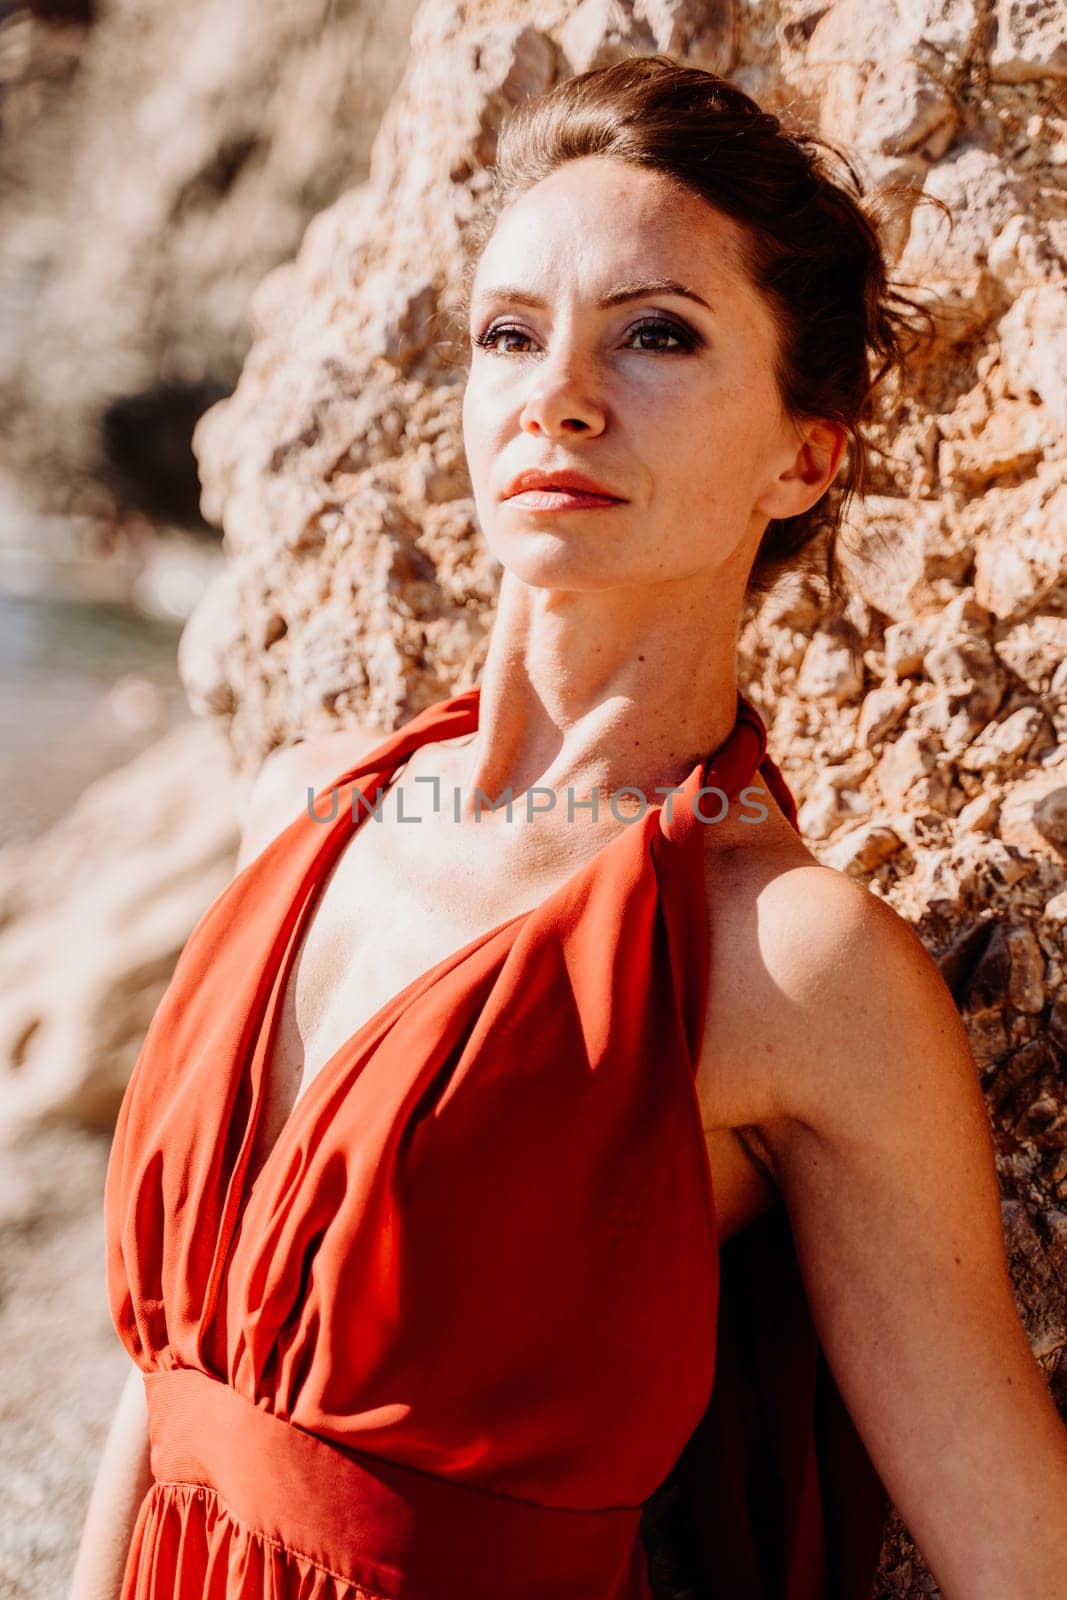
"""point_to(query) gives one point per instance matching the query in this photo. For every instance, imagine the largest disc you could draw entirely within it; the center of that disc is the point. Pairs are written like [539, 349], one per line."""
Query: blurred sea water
[84, 686]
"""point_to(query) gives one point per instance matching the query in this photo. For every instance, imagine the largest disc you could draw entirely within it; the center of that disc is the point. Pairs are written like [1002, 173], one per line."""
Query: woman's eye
[501, 330]
[658, 328]
[649, 328]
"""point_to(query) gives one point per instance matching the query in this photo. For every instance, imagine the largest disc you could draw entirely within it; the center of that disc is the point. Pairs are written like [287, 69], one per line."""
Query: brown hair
[810, 245]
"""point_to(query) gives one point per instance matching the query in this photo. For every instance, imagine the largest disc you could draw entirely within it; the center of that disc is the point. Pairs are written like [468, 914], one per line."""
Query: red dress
[467, 1334]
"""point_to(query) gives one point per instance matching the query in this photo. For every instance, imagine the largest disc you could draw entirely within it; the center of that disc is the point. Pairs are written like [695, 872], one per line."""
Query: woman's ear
[820, 447]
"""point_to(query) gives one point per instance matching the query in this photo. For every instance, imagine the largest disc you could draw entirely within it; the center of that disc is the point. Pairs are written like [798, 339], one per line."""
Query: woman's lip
[561, 500]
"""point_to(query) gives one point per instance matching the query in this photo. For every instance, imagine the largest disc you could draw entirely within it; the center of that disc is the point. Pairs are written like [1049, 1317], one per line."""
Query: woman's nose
[560, 402]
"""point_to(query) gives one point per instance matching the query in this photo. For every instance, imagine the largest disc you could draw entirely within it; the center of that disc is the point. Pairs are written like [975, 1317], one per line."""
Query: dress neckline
[672, 826]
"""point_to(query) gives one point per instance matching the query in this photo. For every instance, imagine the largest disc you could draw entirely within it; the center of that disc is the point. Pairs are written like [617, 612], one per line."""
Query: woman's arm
[883, 1153]
[122, 1481]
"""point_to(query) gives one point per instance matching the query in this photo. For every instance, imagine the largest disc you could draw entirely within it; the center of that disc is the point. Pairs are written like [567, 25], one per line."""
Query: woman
[435, 1307]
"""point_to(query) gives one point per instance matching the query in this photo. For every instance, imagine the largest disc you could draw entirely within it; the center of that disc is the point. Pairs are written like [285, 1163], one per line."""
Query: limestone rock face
[923, 722]
[154, 164]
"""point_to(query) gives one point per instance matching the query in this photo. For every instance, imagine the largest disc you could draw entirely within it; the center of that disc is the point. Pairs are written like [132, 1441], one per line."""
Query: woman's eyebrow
[614, 297]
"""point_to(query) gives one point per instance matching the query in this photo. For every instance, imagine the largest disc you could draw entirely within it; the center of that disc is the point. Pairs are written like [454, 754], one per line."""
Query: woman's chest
[391, 914]
[367, 942]
[392, 911]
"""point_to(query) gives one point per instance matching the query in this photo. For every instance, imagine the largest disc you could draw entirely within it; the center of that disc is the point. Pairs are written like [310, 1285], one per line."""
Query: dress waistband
[399, 1532]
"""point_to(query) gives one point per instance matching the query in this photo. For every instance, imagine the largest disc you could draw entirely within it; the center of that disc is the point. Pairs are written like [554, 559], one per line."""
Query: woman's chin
[557, 558]
[554, 569]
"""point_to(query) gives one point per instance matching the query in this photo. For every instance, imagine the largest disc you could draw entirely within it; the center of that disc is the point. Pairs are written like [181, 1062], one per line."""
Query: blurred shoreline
[88, 666]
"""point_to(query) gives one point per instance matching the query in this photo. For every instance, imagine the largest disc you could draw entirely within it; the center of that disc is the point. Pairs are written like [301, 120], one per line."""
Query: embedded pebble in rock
[831, 667]
[864, 848]
[881, 712]
[1050, 817]
[906, 645]
[979, 815]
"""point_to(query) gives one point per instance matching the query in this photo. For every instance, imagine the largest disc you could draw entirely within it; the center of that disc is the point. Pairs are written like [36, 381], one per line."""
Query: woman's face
[585, 358]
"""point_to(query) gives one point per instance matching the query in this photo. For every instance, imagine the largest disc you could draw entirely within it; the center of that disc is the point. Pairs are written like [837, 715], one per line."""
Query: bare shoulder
[279, 792]
[811, 973]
